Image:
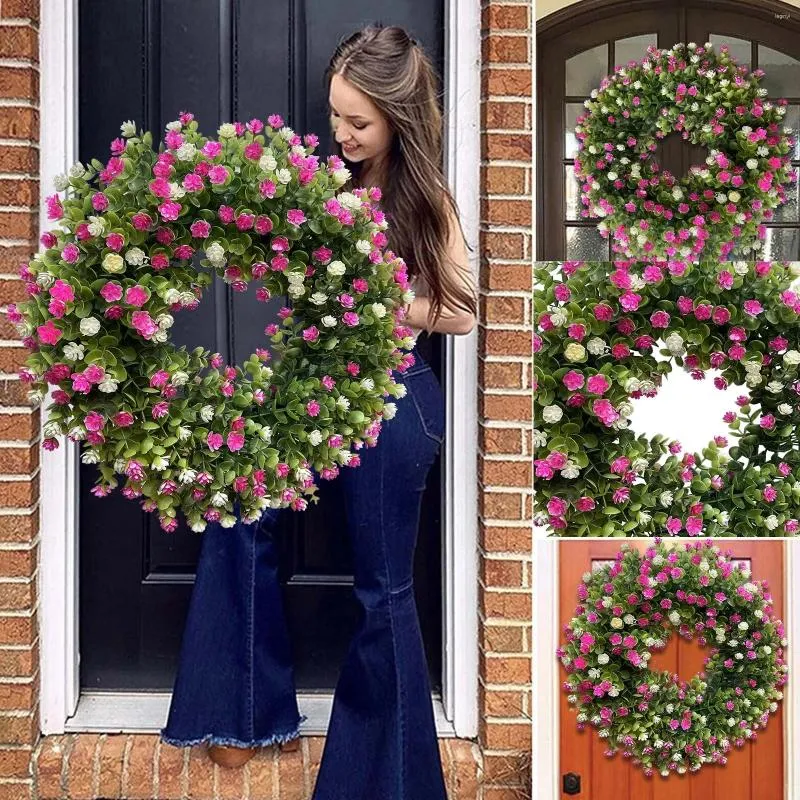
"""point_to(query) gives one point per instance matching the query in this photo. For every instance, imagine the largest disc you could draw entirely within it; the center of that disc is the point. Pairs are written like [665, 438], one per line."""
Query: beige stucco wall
[545, 7]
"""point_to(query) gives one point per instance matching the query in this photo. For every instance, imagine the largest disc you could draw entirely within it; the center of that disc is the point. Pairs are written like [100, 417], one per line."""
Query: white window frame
[547, 677]
[63, 707]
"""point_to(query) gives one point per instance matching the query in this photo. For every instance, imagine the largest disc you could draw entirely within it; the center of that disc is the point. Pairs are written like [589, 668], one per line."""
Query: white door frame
[61, 700]
[547, 675]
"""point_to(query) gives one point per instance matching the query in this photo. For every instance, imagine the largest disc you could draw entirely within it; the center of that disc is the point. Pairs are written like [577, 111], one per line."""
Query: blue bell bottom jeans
[235, 682]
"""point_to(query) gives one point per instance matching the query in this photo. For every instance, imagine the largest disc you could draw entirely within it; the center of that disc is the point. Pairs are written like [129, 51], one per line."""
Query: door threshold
[146, 712]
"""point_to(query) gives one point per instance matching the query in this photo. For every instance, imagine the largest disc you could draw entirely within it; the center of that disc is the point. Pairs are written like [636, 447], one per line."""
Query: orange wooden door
[754, 772]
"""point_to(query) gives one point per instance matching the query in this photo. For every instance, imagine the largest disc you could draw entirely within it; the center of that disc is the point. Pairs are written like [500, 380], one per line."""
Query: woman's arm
[457, 321]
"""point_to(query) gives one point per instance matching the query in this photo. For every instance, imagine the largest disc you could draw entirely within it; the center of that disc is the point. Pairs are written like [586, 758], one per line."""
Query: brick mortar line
[126, 766]
[525, 99]
[13, 22]
[20, 477]
[486, 227]
[516, 66]
[19, 209]
[96, 764]
[185, 772]
[156, 755]
[18, 102]
[497, 358]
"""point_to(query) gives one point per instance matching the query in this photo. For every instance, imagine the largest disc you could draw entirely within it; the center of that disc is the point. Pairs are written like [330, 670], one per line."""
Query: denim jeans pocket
[426, 394]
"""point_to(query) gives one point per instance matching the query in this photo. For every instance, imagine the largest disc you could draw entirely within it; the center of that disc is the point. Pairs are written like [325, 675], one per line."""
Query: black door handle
[571, 783]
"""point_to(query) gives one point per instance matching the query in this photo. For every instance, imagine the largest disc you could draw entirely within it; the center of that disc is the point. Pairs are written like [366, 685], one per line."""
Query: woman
[235, 688]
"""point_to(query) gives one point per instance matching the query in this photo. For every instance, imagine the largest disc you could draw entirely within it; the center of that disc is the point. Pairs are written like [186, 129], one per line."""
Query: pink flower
[136, 295]
[159, 379]
[350, 318]
[160, 410]
[94, 373]
[725, 279]
[170, 210]
[328, 383]
[557, 460]
[598, 384]
[573, 380]
[557, 507]
[312, 408]
[770, 493]
[621, 495]
[585, 504]
[753, 307]
[70, 253]
[48, 333]
[603, 312]
[674, 525]
[311, 334]
[630, 301]
[295, 216]
[235, 441]
[122, 419]
[605, 411]
[218, 174]
[200, 229]
[62, 291]
[694, 526]
[94, 421]
[214, 441]
[659, 319]
[143, 324]
[767, 422]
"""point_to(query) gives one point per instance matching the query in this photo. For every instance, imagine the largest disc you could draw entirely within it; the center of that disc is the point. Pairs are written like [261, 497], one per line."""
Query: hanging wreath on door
[186, 431]
[665, 724]
[710, 101]
[598, 327]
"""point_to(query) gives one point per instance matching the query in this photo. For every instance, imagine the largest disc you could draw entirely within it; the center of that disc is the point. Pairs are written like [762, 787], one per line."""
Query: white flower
[743, 626]
[286, 132]
[295, 290]
[97, 226]
[175, 125]
[128, 128]
[315, 437]
[349, 200]
[776, 387]
[791, 358]
[219, 499]
[90, 457]
[674, 343]
[400, 391]
[265, 432]
[363, 246]
[751, 163]
[558, 317]
[226, 131]
[60, 182]
[602, 658]
[160, 337]
[616, 623]
[135, 256]
[336, 268]
[179, 378]
[186, 152]
[379, 310]
[89, 326]
[784, 408]
[187, 475]
[596, 346]
[552, 414]
[45, 279]
[343, 403]
[302, 474]
[283, 176]
[215, 253]
[571, 471]
[344, 457]
[389, 410]
[113, 263]
[184, 433]
[159, 463]
[539, 438]
[108, 386]
[73, 351]
[639, 465]
[176, 191]
[77, 170]
[319, 298]
[165, 321]
[341, 176]
[368, 384]
[207, 413]
[267, 161]
[771, 522]
[172, 296]
[665, 498]
[675, 618]
[329, 321]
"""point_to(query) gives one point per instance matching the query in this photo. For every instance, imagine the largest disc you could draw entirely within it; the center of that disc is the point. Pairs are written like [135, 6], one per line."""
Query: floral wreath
[627, 610]
[712, 102]
[598, 327]
[185, 430]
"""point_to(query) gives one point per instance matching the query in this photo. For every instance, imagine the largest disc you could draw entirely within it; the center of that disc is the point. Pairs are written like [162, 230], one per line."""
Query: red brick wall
[19, 425]
[506, 207]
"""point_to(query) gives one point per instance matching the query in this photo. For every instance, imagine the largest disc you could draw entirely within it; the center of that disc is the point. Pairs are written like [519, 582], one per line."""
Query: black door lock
[571, 783]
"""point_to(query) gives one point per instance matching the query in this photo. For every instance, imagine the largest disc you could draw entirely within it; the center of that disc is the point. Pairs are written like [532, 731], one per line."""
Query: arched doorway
[585, 41]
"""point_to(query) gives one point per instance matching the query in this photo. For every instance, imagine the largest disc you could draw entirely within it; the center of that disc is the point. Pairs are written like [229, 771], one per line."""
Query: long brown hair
[395, 73]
